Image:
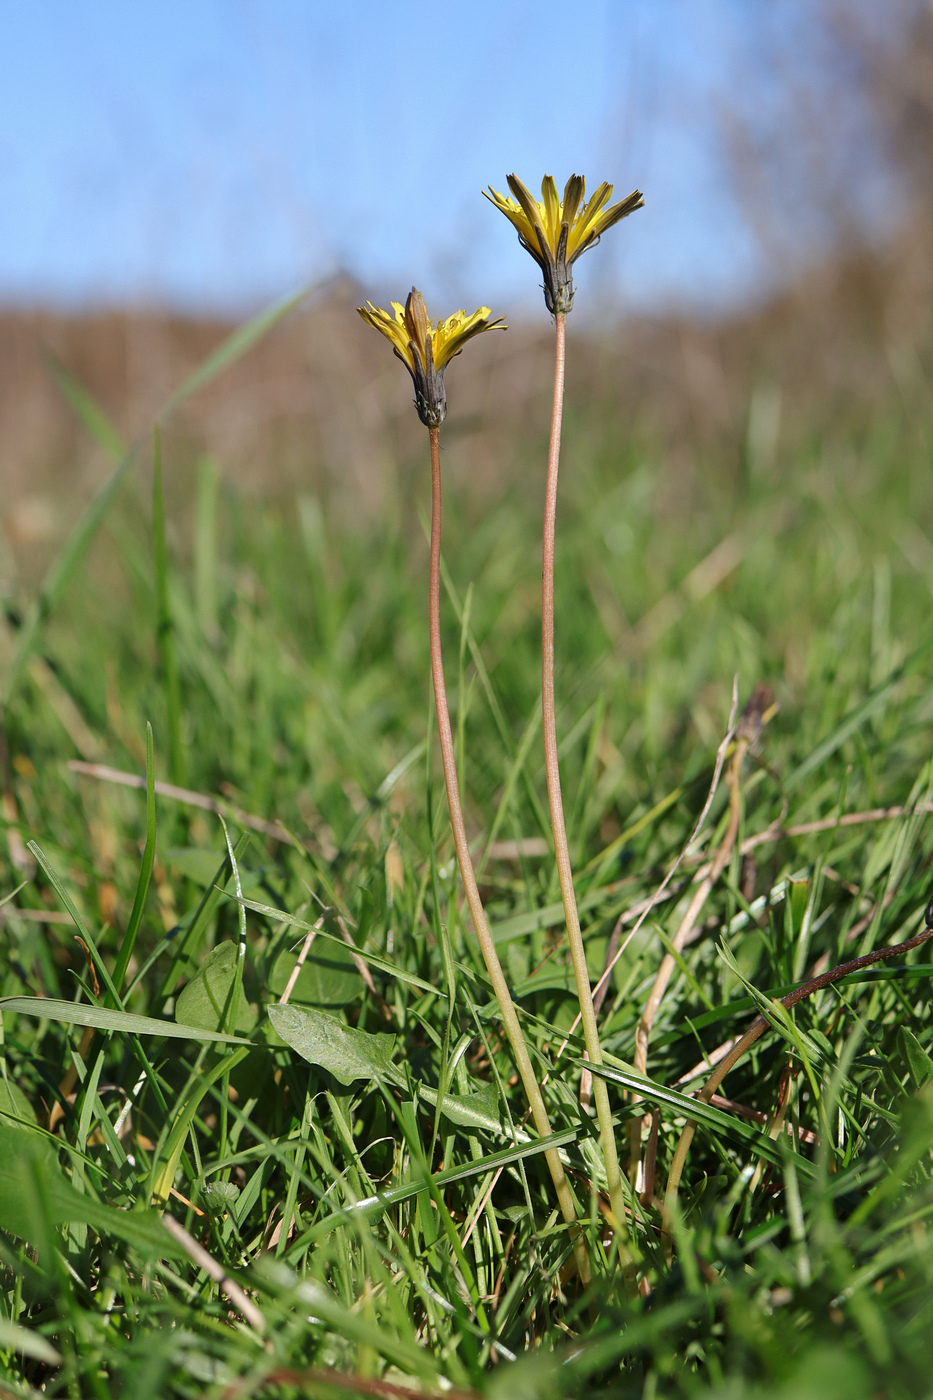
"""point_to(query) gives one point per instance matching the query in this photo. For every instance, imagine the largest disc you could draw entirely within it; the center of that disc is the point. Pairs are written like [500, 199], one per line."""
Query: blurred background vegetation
[747, 489]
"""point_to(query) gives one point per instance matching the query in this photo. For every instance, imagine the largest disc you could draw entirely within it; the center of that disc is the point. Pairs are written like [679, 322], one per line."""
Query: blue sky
[212, 155]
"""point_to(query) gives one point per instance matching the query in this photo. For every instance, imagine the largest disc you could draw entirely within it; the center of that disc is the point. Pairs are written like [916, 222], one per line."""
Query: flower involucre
[426, 347]
[556, 231]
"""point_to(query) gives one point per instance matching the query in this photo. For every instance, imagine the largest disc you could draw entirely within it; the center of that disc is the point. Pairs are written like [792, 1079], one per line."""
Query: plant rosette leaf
[328, 976]
[207, 997]
[200, 866]
[479, 1110]
[326, 1042]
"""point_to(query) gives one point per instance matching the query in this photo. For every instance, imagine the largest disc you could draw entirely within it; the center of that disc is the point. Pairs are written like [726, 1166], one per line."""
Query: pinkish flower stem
[484, 937]
[555, 802]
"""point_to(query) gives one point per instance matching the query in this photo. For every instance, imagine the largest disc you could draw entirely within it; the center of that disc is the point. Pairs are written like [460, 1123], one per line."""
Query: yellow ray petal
[451, 335]
[550, 210]
[533, 212]
[591, 226]
[389, 327]
[574, 194]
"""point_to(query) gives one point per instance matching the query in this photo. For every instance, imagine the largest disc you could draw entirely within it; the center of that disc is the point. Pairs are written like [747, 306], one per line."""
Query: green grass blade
[61, 572]
[279, 916]
[205, 548]
[92, 416]
[190, 939]
[145, 870]
[70, 556]
[165, 630]
[715, 1119]
[375, 1205]
[234, 348]
[105, 1018]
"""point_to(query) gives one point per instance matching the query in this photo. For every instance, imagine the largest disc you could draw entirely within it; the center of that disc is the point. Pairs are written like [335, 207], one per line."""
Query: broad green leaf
[479, 1110]
[919, 1062]
[105, 1019]
[205, 1000]
[35, 1193]
[201, 866]
[328, 976]
[14, 1102]
[325, 1041]
[218, 1196]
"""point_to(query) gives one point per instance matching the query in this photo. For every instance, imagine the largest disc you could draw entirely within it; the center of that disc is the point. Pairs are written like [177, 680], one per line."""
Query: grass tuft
[356, 1204]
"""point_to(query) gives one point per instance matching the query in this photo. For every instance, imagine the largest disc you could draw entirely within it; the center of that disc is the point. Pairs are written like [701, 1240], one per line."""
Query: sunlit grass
[303, 671]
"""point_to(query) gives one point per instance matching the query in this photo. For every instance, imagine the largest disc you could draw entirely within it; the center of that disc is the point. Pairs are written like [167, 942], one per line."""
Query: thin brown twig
[199, 1255]
[758, 710]
[300, 962]
[274, 830]
[378, 999]
[874, 814]
[755, 1115]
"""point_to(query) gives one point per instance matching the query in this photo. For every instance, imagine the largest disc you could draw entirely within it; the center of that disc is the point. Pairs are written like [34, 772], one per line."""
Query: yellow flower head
[556, 231]
[426, 347]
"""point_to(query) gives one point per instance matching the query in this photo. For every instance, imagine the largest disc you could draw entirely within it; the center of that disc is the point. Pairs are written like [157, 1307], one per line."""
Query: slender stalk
[484, 937]
[561, 849]
[757, 1028]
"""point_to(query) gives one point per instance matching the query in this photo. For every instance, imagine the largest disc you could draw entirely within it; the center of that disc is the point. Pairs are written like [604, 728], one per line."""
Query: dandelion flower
[556, 231]
[426, 347]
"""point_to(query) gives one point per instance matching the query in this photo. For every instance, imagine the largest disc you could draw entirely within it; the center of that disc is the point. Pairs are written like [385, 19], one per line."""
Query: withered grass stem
[484, 937]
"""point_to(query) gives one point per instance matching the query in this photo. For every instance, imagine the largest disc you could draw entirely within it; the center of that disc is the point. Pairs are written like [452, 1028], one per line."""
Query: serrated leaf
[206, 999]
[102, 1018]
[325, 1041]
